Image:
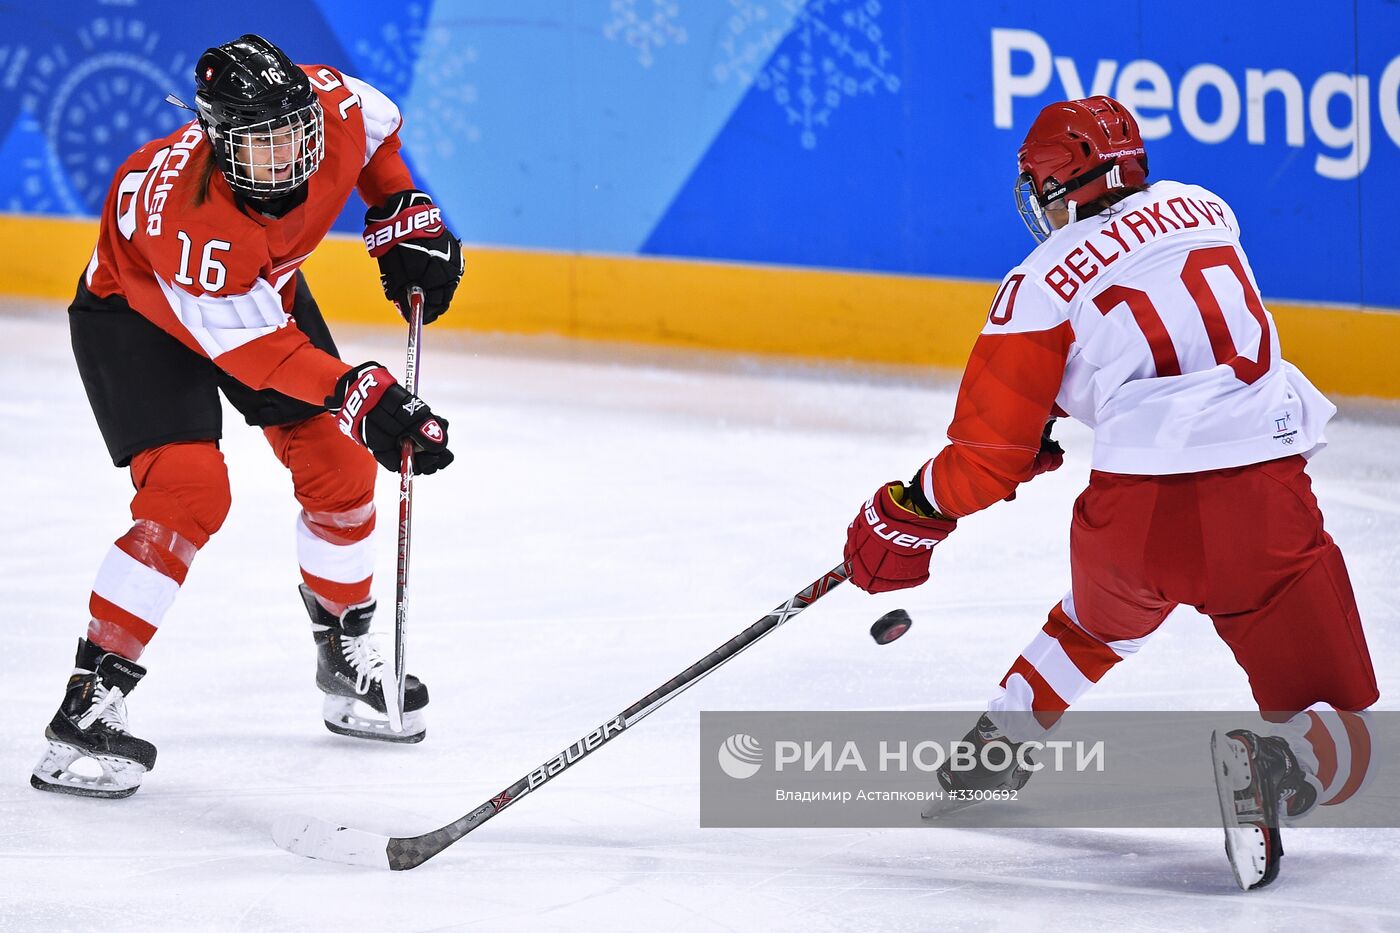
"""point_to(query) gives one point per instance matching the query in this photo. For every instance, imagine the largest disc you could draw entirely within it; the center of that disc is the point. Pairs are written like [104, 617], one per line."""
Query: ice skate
[961, 787]
[90, 751]
[351, 672]
[1258, 780]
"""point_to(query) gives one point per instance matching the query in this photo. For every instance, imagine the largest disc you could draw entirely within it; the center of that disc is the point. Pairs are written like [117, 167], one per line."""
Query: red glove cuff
[420, 222]
[357, 392]
[888, 546]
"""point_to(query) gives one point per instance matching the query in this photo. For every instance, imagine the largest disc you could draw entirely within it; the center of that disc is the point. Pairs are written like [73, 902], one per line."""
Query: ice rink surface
[613, 516]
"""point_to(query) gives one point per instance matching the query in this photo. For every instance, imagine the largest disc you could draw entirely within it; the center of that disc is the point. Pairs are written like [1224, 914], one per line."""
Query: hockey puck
[890, 626]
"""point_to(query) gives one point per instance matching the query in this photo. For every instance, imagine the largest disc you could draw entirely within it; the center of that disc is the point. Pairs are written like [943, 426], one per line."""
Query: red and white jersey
[1145, 323]
[221, 278]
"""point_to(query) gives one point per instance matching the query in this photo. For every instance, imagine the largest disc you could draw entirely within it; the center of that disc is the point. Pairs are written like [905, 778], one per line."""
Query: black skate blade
[71, 790]
[395, 738]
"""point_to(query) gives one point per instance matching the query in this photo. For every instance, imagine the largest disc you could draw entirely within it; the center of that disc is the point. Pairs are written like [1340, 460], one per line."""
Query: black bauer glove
[414, 248]
[372, 408]
[1048, 459]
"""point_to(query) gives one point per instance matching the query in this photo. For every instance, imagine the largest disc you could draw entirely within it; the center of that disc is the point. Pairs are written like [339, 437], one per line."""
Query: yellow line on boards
[814, 313]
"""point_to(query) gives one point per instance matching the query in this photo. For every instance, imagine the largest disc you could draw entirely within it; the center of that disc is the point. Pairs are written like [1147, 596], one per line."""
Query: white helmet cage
[274, 157]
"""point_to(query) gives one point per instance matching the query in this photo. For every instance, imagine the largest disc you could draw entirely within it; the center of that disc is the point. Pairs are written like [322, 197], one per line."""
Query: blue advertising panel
[854, 134]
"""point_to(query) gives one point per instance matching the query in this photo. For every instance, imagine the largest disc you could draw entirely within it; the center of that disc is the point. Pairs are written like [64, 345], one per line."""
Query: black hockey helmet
[261, 114]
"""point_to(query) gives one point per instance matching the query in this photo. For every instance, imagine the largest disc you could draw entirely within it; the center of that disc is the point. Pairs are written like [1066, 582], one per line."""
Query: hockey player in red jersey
[1139, 316]
[194, 289]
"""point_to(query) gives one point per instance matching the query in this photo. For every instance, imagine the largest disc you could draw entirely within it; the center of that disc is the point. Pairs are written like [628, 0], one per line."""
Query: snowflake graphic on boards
[645, 30]
[400, 52]
[839, 55]
[441, 116]
[92, 99]
[387, 57]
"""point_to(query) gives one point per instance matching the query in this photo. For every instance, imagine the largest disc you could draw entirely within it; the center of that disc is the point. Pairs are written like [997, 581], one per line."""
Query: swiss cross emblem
[432, 431]
[209, 74]
[500, 800]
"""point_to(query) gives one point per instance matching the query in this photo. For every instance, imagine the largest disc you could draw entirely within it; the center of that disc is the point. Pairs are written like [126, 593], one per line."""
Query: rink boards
[787, 311]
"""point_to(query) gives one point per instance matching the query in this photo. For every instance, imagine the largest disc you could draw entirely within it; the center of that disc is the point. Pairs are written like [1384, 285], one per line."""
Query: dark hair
[1105, 201]
[206, 172]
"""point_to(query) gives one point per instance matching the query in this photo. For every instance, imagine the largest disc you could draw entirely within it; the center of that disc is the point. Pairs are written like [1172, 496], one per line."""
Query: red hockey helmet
[1081, 147]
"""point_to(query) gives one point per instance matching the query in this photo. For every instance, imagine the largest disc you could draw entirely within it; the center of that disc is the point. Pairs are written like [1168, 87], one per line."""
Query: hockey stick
[393, 699]
[316, 838]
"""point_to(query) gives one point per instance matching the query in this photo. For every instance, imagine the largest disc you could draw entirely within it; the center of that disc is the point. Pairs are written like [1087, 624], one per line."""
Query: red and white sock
[1055, 669]
[135, 585]
[1334, 749]
[336, 553]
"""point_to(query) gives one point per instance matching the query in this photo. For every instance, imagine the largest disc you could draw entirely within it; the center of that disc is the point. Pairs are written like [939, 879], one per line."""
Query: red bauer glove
[889, 543]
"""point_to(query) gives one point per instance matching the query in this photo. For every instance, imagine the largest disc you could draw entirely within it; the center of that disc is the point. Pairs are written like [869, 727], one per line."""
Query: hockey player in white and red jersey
[194, 290]
[1138, 315]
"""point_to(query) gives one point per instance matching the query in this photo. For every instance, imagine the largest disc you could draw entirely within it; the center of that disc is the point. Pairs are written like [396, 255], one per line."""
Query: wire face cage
[276, 156]
[1028, 206]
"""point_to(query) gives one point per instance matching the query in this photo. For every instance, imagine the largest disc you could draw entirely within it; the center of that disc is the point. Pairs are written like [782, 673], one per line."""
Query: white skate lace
[361, 654]
[108, 705]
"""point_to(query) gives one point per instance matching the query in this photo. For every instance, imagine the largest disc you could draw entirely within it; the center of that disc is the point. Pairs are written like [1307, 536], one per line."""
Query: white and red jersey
[220, 277]
[1145, 323]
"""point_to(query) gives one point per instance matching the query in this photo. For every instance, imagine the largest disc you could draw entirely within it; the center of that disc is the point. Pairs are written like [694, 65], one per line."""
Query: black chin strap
[279, 206]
